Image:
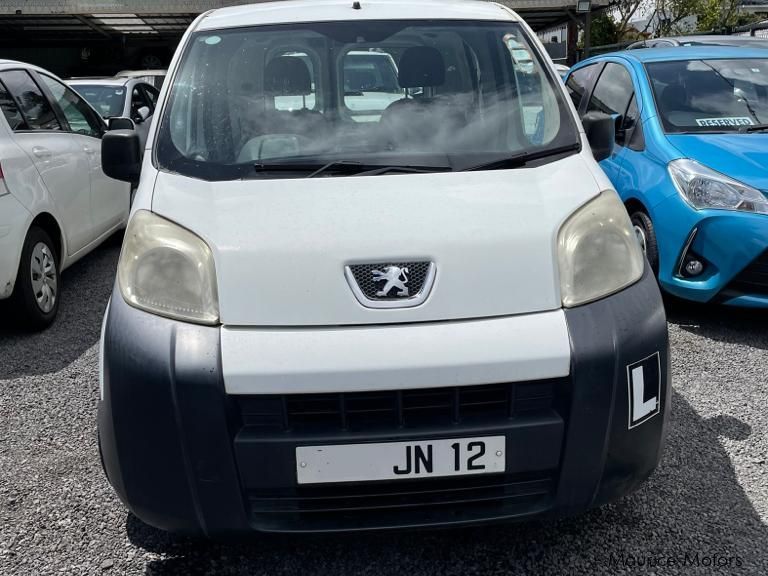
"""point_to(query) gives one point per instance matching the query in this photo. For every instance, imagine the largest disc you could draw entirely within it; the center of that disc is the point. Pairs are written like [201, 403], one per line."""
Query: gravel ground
[706, 506]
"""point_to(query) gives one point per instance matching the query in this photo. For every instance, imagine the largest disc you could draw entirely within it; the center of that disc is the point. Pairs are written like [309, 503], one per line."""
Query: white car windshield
[108, 100]
[272, 101]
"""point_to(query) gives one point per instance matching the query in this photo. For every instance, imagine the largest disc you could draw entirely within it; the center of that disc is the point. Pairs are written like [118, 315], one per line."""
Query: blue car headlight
[702, 187]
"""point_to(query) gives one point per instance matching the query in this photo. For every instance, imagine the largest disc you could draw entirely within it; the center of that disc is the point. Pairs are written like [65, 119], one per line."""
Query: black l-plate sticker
[644, 389]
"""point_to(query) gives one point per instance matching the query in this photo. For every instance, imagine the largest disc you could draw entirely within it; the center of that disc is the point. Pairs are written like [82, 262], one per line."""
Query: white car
[370, 84]
[153, 77]
[56, 203]
[120, 98]
[438, 316]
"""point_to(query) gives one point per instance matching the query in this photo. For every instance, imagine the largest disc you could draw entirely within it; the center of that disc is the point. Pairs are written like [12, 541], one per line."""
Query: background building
[101, 37]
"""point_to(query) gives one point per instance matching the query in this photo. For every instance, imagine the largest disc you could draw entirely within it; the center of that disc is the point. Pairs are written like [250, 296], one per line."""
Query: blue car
[690, 162]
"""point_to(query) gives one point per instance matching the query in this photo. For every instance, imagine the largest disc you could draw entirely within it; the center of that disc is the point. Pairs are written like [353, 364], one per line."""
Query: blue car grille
[753, 279]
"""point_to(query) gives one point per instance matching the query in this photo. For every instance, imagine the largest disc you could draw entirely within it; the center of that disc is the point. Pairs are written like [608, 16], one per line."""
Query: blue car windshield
[710, 95]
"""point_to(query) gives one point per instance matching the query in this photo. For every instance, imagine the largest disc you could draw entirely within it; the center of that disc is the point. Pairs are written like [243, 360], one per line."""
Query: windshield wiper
[404, 170]
[517, 160]
[754, 128]
[348, 167]
[339, 166]
[314, 168]
[358, 169]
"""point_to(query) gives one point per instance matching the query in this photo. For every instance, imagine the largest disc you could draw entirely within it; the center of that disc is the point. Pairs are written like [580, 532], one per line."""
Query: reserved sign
[740, 121]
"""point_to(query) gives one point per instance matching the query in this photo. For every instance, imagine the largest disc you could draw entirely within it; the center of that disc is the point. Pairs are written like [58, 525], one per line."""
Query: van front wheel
[646, 236]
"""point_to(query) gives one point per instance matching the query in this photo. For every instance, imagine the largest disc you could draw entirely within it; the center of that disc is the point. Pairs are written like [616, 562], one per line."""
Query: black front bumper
[186, 457]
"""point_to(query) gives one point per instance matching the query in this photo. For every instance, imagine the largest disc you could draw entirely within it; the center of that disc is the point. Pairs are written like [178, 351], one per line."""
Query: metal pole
[587, 39]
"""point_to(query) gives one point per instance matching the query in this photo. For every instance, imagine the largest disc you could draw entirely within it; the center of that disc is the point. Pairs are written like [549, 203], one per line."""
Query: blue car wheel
[646, 235]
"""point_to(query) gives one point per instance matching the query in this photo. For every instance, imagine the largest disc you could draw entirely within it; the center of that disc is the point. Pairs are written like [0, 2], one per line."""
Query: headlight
[702, 187]
[167, 270]
[598, 251]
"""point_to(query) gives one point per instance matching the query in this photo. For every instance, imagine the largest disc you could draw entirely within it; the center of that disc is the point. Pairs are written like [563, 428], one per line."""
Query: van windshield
[711, 95]
[276, 101]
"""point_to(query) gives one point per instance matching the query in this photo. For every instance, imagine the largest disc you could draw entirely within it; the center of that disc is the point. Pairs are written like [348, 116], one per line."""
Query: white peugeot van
[436, 313]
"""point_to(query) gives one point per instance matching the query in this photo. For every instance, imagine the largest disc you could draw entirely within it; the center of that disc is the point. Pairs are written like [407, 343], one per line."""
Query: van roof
[290, 11]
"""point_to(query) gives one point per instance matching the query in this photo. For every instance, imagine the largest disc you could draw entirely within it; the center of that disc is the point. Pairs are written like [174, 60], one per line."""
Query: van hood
[281, 246]
[743, 157]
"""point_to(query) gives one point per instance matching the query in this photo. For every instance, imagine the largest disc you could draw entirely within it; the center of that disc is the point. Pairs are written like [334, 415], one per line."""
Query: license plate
[400, 460]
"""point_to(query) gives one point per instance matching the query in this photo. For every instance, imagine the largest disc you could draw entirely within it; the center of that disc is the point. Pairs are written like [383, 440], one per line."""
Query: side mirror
[142, 114]
[601, 133]
[120, 124]
[121, 155]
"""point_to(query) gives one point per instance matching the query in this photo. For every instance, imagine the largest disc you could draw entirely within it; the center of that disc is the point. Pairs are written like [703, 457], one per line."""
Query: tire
[38, 284]
[150, 61]
[646, 235]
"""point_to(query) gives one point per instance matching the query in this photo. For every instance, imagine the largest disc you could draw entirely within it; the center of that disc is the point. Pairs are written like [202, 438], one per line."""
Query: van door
[110, 198]
[63, 166]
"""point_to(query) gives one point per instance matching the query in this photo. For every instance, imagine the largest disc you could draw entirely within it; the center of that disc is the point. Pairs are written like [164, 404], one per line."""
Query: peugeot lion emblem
[391, 284]
[395, 276]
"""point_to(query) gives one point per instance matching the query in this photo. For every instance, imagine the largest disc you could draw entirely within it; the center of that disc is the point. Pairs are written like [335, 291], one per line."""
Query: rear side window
[613, 91]
[301, 69]
[11, 111]
[81, 118]
[370, 83]
[579, 82]
[34, 106]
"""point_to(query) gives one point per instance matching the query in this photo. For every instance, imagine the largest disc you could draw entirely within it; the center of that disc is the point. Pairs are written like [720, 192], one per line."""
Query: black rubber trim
[606, 337]
[163, 423]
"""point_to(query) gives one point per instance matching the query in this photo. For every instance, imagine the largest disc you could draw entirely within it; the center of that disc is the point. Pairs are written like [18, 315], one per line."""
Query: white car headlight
[702, 187]
[598, 252]
[167, 270]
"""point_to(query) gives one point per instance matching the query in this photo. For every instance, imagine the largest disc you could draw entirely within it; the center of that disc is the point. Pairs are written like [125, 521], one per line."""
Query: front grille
[531, 414]
[753, 279]
[409, 409]
[404, 503]
[413, 277]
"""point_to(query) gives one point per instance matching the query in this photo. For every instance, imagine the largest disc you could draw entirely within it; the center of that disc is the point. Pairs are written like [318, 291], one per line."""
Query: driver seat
[415, 121]
[289, 76]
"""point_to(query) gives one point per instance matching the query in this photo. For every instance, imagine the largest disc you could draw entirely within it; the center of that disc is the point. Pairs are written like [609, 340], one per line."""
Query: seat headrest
[287, 76]
[421, 66]
[708, 84]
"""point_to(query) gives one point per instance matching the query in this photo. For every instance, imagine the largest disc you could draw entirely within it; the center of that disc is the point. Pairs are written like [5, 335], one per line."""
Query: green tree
[624, 12]
[603, 30]
[671, 14]
[720, 15]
